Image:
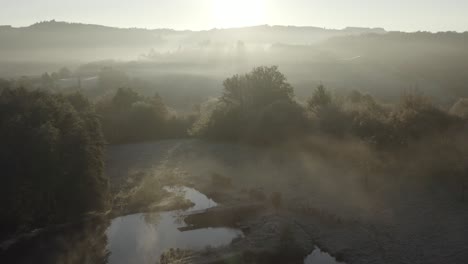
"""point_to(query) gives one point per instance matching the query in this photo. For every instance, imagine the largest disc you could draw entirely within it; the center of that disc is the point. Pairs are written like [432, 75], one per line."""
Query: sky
[402, 15]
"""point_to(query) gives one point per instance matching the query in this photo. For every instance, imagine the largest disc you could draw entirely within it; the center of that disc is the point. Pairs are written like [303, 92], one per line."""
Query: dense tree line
[51, 157]
[260, 107]
[412, 134]
[130, 117]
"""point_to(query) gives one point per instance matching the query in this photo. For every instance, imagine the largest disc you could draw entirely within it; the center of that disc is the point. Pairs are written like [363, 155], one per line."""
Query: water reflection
[320, 257]
[138, 238]
[142, 238]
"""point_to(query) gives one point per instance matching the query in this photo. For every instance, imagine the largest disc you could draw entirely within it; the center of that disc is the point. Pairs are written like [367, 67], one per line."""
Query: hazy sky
[405, 15]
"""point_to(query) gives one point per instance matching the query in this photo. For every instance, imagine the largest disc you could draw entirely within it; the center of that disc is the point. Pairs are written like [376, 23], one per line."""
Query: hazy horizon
[233, 27]
[433, 15]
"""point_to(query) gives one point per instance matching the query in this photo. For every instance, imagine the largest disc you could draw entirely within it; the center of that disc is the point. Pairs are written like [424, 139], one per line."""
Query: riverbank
[383, 219]
[323, 203]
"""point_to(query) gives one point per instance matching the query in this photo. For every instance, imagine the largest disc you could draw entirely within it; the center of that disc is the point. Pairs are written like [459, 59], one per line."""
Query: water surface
[319, 257]
[142, 238]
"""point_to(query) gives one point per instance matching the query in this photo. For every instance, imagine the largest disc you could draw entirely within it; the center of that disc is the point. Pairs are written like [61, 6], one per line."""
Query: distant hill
[55, 41]
[59, 37]
[194, 63]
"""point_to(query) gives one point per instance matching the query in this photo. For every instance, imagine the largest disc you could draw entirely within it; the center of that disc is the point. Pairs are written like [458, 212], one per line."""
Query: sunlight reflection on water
[142, 238]
[319, 257]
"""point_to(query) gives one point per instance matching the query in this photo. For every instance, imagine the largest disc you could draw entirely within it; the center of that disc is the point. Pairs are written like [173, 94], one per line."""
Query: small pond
[319, 257]
[142, 238]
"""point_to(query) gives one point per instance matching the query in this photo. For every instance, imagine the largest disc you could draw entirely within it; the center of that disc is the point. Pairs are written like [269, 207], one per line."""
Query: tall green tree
[258, 107]
[51, 159]
[258, 88]
[321, 98]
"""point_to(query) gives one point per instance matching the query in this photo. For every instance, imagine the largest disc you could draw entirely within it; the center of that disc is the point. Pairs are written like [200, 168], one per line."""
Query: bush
[223, 122]
[416, 117]
[329, 114]
[370, 120]
[278, 122]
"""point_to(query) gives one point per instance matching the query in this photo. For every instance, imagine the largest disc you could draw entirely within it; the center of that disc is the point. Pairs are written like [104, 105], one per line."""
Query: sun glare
[238, 13]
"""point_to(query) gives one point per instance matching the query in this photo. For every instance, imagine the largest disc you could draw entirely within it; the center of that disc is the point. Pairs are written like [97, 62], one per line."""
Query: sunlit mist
[238, 13]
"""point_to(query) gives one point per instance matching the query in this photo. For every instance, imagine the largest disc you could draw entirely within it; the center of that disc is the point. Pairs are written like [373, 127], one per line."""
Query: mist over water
[142, 238]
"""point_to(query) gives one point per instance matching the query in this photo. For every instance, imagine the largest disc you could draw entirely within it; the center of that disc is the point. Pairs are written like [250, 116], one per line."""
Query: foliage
[130, 117]
[328, 113]
[259, 107]
[320, 99]
[174, 256]
[256, 107]
[369, 120]
[359, 115]
[278, 121]
[257, 89]
[52, 159]
[416, 117]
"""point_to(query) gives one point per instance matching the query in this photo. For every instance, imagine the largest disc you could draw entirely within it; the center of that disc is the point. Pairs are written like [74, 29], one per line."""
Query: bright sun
[238, 13]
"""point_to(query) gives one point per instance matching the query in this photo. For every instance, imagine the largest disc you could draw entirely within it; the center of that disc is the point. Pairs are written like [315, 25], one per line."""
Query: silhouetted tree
[64, 73]
[320, 99]
[47, 81]
[260, 87]
[416, 117]
[258, 107]
[330, 116]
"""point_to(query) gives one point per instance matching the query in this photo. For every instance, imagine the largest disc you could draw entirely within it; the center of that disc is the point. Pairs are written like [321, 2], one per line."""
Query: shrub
[328, 113]
[416, 117]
